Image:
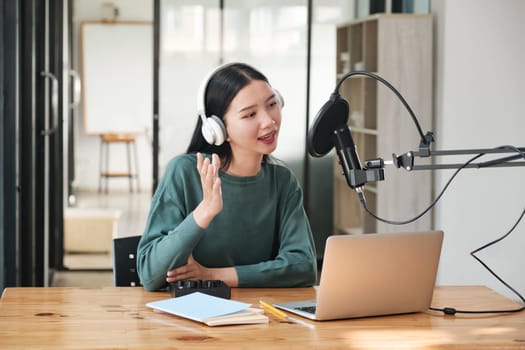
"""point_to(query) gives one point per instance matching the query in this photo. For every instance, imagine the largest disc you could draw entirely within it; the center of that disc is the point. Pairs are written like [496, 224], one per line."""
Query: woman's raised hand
[211, 203]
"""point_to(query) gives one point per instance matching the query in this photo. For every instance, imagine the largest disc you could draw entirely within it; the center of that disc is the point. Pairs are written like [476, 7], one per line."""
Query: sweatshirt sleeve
[295, 264]
[171, 233]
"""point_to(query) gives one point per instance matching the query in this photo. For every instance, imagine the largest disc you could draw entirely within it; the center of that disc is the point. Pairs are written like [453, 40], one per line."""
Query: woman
[224, 210]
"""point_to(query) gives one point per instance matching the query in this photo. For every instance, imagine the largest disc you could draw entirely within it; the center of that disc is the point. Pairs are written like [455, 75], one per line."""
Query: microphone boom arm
[407, 160]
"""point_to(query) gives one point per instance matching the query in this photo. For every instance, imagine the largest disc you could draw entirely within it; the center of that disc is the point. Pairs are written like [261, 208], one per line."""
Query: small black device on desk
[211, 287]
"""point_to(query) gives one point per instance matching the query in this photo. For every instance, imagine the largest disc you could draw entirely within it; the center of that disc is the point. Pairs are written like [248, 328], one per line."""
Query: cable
[393, 89]
[362, 198]
[452, 310]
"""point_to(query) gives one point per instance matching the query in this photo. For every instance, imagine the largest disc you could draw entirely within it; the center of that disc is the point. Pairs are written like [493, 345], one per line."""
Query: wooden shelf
[399, 49]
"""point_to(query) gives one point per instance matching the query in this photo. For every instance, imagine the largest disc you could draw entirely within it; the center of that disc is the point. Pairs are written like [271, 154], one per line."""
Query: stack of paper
[210, 310]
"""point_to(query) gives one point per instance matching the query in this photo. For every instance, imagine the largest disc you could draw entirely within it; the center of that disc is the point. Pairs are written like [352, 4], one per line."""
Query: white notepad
[210, 310]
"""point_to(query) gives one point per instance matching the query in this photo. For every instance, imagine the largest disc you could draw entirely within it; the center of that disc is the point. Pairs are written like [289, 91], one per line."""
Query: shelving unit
[397, 47]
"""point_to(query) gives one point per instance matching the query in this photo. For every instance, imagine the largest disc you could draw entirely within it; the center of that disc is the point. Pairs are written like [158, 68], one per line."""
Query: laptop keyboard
[309, 309]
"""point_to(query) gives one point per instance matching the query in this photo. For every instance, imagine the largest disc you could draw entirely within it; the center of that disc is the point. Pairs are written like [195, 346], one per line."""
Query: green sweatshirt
[262, 229]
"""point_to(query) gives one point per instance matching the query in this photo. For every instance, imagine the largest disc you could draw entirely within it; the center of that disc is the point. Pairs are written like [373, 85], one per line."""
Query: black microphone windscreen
[333, 114]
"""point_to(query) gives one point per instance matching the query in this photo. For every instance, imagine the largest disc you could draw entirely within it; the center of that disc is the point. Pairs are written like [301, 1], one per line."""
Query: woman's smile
[268, 138]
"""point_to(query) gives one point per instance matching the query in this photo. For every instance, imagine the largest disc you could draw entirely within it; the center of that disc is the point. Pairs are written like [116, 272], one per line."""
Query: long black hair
[221, 89]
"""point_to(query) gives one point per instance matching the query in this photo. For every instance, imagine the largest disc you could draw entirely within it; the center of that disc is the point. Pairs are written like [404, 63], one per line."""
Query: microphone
[330, 129]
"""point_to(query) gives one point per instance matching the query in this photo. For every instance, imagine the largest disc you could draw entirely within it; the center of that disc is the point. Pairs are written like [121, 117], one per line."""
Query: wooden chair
[124, 261]
[132, 172]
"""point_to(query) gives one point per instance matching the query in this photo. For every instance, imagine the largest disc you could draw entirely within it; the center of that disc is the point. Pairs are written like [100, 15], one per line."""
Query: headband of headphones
[201, 95]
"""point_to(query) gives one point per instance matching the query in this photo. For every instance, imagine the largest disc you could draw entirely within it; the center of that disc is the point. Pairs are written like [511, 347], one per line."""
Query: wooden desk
[117, 318]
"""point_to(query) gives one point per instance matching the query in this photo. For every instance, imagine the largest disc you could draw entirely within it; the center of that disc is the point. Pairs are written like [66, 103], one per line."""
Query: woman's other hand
[211, 203]
[191, 271]
[195, 271]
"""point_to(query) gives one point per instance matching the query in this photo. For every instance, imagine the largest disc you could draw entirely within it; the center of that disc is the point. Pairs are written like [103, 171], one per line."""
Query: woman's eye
[250, 115]
[273, 102]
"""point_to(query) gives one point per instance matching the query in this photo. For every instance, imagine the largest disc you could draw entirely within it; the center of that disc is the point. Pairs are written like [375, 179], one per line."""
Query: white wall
[480, 103]
[87, 146]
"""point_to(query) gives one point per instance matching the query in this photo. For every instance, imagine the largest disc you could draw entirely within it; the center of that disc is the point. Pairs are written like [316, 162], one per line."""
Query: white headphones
[213, 129]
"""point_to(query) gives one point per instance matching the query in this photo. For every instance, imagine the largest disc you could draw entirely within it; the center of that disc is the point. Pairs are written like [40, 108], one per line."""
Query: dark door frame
[9, 36]
[26, 253]
[56, 141]
[156, 82]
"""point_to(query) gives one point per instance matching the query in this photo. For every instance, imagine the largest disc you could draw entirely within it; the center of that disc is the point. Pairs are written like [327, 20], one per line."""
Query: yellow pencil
[282, 316]
[272, 310]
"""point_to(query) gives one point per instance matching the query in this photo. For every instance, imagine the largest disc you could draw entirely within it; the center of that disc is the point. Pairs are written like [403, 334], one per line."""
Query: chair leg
[130, 170]
[107, 168]
[100, 165]
[135, 152]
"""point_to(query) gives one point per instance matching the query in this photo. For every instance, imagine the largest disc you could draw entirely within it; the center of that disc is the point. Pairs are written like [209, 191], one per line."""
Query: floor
[94, 270]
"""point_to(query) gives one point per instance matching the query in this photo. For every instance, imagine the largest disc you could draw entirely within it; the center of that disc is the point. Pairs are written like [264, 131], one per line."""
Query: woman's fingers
[209, 171]
[216, 162]
[192, 270]
[200, 159]
[211, 203]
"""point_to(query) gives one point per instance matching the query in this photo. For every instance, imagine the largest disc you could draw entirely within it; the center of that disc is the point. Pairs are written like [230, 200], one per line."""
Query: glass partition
[326, 15]
[189, 48]
[272, 36]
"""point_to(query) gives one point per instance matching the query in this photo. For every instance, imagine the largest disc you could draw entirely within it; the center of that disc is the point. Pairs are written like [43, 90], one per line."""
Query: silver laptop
[372, 275]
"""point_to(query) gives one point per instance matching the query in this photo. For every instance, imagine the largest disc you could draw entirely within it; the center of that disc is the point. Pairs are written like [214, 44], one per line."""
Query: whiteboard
[117, 76]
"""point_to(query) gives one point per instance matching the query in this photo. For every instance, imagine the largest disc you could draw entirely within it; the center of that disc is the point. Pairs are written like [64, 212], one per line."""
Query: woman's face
[253, 120]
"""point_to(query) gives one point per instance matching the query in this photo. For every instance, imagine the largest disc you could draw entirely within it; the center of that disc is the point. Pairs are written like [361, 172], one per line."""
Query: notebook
[373, 275]
[210, 310]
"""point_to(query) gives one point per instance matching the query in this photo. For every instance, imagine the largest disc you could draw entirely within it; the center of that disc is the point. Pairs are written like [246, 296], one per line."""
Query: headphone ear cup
[207, 131]
[213, 130]
[280, 98]
[219, 128]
